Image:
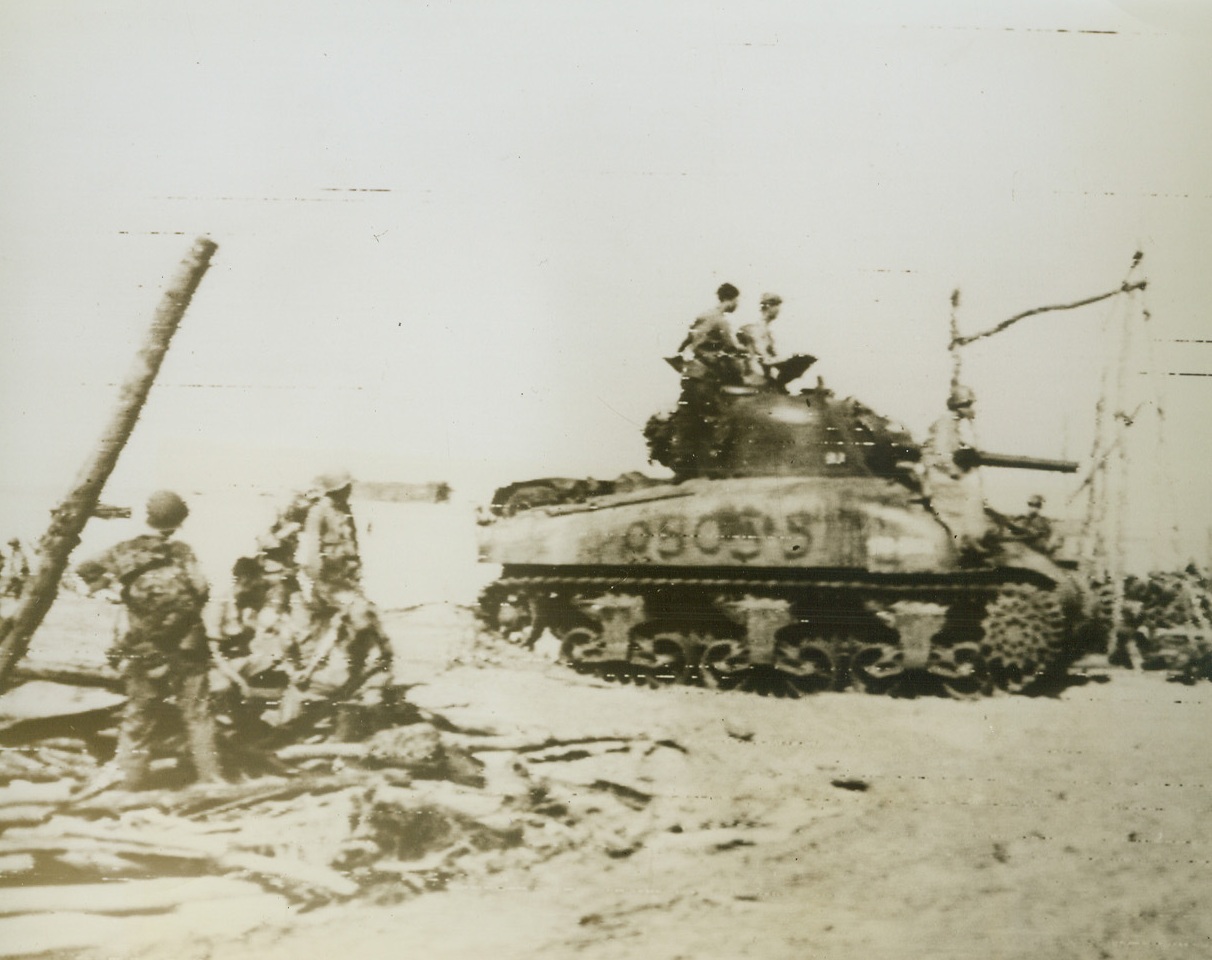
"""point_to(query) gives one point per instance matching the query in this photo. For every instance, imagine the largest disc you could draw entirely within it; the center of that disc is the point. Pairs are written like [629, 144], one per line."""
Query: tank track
[785, 635]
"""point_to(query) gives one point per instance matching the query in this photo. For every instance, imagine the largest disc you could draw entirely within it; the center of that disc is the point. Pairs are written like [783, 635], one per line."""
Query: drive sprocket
[1023, 631]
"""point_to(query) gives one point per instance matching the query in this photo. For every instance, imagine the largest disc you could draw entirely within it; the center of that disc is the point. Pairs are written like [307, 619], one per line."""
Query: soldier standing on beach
[346, 624]
[164, 655]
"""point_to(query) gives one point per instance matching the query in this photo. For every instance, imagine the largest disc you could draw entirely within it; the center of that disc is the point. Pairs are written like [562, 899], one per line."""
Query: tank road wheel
[961, 670]
[518, 618]
[724, 664]
[660, 659]
[583, 648]
[1023, 630]
[877, 667]
[512, 615]
[801, 665]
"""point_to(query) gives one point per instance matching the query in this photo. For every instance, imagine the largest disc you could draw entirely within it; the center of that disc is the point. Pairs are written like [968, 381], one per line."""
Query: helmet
[1035, 500]
[961, 396]
[770, 299]
[334, 481]
[166, 510]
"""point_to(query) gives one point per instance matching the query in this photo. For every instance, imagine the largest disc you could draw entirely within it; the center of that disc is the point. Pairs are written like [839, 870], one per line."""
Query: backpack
[160, 593]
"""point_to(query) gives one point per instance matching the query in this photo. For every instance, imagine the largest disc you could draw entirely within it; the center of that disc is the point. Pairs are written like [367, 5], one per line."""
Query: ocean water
[412, 553]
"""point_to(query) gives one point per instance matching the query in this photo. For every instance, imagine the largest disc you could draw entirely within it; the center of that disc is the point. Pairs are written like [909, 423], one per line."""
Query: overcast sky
[455, 239]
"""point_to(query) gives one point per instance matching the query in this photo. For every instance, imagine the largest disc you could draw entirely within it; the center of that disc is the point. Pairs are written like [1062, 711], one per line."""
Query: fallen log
[137, 840]
[126, 896]
[98, 798]
[22, 814]
[291, 871]
[17, 766]
[74, 674]
[313, 784]
[87, 838]
[476, 744]
[24, 792]
[42, 843]
[16, 863]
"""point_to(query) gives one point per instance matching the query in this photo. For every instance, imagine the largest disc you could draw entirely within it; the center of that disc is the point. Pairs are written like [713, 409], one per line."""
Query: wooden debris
[76, 674]
[26, 813]
[40, 700]
[84, 841]
[290, 871]
[14, 765]
[127, 896]
[408, 802]
[100, 862]
[141, 840]
[476, 743]
[417, 748]
[22, 792]
[73, 763]
[15, 863]
[44, 843]
[566, 753]
[209, 797]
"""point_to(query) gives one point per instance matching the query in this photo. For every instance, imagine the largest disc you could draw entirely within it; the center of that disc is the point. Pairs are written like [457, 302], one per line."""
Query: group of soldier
[713, 355]
[298, 618]
[14, 572]
[715, 364]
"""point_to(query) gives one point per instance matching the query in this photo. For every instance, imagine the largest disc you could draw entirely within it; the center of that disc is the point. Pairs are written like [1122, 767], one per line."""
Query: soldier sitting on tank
[758, 341]
[710, 360]
[951, 482]
[710, 354]
[1031, 528]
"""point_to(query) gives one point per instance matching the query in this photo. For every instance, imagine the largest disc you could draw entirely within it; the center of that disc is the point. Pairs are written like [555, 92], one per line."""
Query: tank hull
[783, 585]
[859, 523]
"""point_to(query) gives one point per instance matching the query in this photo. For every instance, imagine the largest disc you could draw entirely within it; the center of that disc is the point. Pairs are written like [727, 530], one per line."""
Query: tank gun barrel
[968, 457]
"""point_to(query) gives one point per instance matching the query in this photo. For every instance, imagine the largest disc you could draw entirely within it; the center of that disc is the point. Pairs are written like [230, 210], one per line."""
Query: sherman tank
[793, 551]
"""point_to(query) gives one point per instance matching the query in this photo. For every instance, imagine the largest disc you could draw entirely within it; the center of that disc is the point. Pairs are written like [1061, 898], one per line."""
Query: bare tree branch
[1125, 287]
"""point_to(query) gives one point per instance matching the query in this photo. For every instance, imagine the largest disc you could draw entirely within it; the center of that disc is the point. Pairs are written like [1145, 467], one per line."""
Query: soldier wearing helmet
[348, 646]
[962, 401]
[951, 483]
[329, 541]
[758, 339]
[1032, 527]
[164, 656]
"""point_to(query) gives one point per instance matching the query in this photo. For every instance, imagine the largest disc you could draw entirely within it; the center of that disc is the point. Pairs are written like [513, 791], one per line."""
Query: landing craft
[794, 551]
